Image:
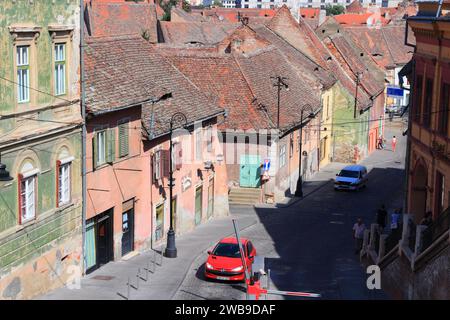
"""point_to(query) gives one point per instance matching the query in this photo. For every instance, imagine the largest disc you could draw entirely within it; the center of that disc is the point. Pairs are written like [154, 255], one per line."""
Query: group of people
[381, 141]
[381, 219]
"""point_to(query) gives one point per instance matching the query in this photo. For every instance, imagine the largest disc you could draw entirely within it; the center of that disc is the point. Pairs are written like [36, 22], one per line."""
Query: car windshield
[349, 174]
[230, 250]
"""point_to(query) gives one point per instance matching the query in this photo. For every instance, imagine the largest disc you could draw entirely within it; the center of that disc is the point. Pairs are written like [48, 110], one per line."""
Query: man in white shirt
[358, 234]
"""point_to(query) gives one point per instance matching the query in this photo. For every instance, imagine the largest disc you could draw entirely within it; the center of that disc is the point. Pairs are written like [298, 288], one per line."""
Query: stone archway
[418, 200]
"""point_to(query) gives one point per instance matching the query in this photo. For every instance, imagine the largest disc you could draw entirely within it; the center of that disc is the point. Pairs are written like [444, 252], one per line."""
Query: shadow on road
[313, 237]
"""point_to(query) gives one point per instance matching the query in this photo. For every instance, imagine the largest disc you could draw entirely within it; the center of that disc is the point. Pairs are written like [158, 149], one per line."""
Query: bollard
[268, 281]
[137, 279]
[128, 289]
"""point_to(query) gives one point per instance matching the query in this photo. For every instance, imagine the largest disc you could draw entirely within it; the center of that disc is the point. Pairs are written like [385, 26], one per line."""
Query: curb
[296, 199]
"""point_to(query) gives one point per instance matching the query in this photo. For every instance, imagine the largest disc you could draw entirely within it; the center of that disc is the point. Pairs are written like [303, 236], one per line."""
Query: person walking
[396, 220]
[381, 217]
[394, 143]
[358, 234]
[380, 142]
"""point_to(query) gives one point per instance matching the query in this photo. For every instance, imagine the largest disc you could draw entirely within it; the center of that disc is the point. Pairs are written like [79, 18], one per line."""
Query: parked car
[224, 261]
[352, 177]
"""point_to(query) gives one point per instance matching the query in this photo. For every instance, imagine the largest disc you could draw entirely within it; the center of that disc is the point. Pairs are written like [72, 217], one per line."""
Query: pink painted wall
[110, 185]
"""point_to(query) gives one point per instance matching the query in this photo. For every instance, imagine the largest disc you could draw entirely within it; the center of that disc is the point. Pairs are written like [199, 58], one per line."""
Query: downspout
[83, 139]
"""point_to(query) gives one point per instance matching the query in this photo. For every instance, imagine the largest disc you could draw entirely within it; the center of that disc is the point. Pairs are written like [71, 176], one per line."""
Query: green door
[198, 205]
[91, 252]
[249, 174]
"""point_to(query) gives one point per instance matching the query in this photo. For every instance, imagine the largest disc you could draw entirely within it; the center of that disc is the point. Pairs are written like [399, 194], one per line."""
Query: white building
[295, 4]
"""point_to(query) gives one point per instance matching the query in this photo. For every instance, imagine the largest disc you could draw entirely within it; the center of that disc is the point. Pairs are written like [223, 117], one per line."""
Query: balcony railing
[436, 229]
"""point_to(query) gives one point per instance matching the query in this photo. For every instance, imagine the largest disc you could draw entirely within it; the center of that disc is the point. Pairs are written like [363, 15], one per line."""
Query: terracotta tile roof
[360, 19]
[125, 71]
[114, 19]
[284, 25]
[220, 78]
[232, 14]
[385, 45]
[355, 61]
[202, 33]
[179, 15]
[355, 7]
[309, 13]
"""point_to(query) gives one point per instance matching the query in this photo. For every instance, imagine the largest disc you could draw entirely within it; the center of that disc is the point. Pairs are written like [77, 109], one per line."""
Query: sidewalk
[111, 279]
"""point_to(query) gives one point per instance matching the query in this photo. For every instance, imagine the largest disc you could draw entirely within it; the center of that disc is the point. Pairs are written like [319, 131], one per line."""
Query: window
[101, 147]
[444, 112]
[23, 74]
[60, 69]
[157, 165]
[291, 145]
[211, 198]
[418, 100]
[177, 154]
[258, 6]
[198, 145]
[440, 192]
[63, 183]
[282, 156]
[27, 182]
[123, 138]
[427, 107]
[159, 228]
[209, 139]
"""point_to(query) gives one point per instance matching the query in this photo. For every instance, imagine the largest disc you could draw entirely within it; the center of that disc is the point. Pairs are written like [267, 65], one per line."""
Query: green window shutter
[110, 145]
[123, 139]
[94, 150]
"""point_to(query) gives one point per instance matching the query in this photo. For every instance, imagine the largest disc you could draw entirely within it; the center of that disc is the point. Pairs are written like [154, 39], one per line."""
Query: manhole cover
[106, 278]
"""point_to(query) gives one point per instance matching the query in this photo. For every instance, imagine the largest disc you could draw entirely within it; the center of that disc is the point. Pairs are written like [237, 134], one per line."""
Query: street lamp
[311, 115]
[4, 174]
[280, 83]
[171, 250]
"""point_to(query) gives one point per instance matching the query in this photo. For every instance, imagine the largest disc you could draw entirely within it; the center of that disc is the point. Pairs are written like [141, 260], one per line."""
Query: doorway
[249, 173]
[198, 204]
[99, 240]
[127, 231]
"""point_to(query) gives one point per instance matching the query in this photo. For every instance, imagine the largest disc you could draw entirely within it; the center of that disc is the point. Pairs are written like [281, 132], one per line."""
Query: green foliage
[217, 3]
[334, 10]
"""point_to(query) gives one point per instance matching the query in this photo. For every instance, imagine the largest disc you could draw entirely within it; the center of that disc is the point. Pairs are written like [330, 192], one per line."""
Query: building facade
[40, 144]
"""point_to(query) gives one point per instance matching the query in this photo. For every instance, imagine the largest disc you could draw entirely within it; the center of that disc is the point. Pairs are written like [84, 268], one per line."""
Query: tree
[167, 6]
[217, 3]
[334, 10]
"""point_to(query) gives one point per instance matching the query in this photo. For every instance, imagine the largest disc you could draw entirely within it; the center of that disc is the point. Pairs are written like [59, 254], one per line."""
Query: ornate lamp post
[179, 119]
[4, 174]
[299, 189]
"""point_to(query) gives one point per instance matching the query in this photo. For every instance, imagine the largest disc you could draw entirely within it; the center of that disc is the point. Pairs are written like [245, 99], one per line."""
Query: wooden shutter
[94, 151]
[123, 139]
[165, 163]
[58, 165]
[19, 193]
[110, 145]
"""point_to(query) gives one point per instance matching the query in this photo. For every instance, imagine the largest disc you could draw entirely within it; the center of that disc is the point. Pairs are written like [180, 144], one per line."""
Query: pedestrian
[358, 234]
[396, 220]
[394, 143]
[427, 219]
[381, 217]
[380, 142]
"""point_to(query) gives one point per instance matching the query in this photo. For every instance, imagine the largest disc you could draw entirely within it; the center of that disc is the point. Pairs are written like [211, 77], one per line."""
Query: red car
[224, 261]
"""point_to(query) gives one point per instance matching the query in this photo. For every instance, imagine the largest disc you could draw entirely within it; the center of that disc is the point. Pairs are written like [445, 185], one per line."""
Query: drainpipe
[83, 139]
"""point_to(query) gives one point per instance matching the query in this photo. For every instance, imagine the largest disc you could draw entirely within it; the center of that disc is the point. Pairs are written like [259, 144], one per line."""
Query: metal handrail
[393, 239]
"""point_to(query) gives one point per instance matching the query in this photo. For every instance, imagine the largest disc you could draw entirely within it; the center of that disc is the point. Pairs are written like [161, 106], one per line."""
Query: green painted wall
[347, 131]
[40, 13]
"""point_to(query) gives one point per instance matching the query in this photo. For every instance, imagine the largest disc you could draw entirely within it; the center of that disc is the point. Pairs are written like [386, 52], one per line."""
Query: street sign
[394, 92]
[266, 166]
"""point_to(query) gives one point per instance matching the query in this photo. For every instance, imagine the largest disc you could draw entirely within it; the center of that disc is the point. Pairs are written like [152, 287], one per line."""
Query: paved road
[308, 246]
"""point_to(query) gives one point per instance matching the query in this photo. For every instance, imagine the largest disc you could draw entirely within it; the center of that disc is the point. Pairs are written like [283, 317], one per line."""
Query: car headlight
[240, 268]
[208, 266]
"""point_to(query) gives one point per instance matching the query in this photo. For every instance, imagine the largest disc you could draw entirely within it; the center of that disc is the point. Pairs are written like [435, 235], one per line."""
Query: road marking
[338, 214]
[337, 222]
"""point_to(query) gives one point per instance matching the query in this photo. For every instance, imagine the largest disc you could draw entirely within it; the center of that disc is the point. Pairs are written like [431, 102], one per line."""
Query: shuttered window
[104, 147]
[123, 139]
[27, 198]
[157, 166]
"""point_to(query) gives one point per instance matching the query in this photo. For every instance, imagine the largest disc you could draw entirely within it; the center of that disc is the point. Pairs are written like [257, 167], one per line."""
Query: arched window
[63, 177]
[27, 185]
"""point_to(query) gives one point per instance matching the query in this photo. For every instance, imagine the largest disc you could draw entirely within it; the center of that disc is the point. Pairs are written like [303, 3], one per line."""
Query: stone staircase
[244, 196]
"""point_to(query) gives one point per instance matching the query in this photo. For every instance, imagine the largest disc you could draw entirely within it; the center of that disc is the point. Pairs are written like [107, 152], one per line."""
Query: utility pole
[280, 83]
[358, 75]
[299, 189]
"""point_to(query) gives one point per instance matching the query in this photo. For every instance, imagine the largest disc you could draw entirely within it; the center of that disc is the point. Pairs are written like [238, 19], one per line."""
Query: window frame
[22, 179]
[60, 165]
[56, 63]
[124, 123]
[282, 156]
[21, 66]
